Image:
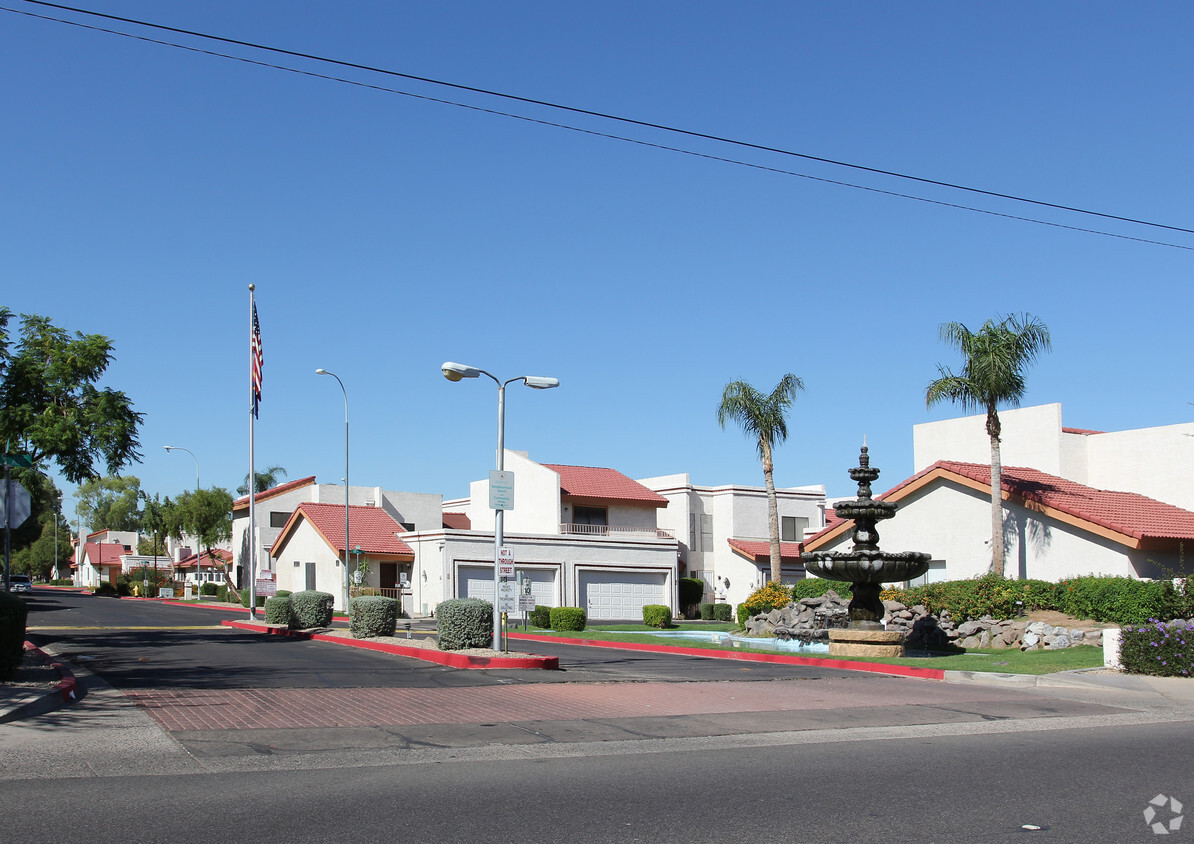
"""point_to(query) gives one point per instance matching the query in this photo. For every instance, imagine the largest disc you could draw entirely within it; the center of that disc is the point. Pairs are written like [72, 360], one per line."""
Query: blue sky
[145, 187]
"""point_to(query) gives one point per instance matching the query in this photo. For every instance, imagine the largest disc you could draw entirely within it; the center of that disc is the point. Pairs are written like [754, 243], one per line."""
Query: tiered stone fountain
[866, 568]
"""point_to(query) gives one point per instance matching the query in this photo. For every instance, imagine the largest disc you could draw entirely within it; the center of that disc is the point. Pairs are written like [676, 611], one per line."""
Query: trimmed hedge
[656, 615]
[105, 588]
[464, 623]
[722, 612]
[13, 613]
[277, 610]
[706, 612]
[691, 590]
[209, 587]
[371, 616]
[540, 617]
[1122, 600]
[244, 598]
[1163, 650]
[567, 618]
[815, 587]
[310, 608]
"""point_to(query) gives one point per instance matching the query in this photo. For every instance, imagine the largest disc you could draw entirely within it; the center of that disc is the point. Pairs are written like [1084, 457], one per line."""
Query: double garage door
[477, 582]
[621, 595]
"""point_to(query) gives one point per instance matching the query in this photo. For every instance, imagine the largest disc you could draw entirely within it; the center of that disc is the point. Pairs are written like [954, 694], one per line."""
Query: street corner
[49, 685]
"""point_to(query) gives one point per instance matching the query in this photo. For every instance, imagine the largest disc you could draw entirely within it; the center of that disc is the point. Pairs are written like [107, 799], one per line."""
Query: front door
[388, 572]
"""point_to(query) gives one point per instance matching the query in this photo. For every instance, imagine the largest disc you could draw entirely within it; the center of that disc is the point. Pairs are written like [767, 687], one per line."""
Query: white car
[19, 583]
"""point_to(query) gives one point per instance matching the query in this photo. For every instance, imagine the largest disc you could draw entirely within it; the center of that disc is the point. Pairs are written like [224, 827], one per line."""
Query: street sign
[501, 490]
[19, 460]
[505, 562]
[21, 504]
[526, 603]
[266, 586]
[507, 596]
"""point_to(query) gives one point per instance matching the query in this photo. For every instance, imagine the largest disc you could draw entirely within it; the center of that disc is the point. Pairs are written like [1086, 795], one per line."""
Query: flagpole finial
[252, 287]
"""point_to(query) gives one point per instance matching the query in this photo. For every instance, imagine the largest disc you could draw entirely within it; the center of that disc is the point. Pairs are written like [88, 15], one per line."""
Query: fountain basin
[866, 566]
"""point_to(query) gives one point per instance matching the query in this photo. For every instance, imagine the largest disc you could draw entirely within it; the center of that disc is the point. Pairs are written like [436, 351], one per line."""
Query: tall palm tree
[994, 360]
[764, 418]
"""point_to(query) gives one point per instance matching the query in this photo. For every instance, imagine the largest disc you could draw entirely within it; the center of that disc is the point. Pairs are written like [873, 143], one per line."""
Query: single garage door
[477, 582]
[621, 595]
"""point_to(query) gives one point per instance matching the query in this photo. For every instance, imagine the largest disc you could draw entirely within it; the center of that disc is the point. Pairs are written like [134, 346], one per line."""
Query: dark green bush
[209, 588]
[691, 590]
[105, 588]
[540, 617]
[815, 587]
[1037, 594]
[1163, 650]
[284, 593]
[1121, 600]
[721, 612]
[13, 613]
[244, 598]
[567, 618]
[372, 616]
[656, 615]
[706, 612]
[743, 613]
[277, 610]
[62, 581]
[464, 623]
[310, 608]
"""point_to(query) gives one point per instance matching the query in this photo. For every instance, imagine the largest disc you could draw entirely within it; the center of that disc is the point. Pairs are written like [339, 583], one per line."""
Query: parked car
[19, 583]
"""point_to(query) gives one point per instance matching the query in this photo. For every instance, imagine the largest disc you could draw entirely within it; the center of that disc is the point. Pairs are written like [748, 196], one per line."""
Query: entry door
[388, 574]
[310, 576]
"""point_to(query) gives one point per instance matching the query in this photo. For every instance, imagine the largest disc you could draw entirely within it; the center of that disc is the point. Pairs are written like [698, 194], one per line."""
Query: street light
[456, 372]
[198, 552]
[346, 545]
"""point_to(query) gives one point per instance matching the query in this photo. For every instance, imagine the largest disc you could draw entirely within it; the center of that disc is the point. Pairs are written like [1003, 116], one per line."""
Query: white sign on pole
[501, 490]
[505, 562]
[507, 596]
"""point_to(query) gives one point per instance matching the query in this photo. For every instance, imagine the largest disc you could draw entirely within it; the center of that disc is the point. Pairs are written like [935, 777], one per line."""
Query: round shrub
[773, 596]
[13, 613]
[244, 598]
[372, 616]
[105, 588]
[464, 623]
[721, 612]
[691, 590]
[706, 612]
[209, 588]
[567, 618]
[310, 608]
[540, 617]
[277, 610]
[656, 615]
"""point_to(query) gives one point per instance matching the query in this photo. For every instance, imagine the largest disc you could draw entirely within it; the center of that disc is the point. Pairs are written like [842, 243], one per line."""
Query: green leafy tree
[205, 514]
[50, 406]
[37, 559]
[994, 360]
[110, 503]
[262, 480]
[763, 418]
[159, 517]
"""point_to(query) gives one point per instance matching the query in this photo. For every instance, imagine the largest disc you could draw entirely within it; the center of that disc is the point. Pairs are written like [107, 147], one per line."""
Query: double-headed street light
[456, 372]
[346, 545]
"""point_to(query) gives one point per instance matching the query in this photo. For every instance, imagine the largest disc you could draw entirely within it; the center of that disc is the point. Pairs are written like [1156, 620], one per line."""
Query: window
[791, 528]
[277, 520]
[409, 527]
[706, 532]
[590, 515]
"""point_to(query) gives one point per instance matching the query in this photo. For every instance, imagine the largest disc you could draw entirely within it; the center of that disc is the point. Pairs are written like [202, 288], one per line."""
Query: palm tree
[764, 418]
[262, 480]
[995, 358]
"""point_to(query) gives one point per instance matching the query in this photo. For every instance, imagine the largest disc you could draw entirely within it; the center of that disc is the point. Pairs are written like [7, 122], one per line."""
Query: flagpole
[252, 477]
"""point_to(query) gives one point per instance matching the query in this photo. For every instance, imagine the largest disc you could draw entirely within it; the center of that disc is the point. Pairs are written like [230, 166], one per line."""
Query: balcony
[616, 532]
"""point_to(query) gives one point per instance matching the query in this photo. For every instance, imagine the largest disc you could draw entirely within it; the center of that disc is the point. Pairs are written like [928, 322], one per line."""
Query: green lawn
[1011, 661]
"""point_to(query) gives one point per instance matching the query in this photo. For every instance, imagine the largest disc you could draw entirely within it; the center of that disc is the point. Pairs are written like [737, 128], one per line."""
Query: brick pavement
[184, 710]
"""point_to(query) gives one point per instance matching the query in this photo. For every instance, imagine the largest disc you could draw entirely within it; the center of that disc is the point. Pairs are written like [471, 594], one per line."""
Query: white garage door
[477, 582]
[620, 595]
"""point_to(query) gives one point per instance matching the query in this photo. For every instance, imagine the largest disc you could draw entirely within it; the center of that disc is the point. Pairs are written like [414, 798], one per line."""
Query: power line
[604, 116]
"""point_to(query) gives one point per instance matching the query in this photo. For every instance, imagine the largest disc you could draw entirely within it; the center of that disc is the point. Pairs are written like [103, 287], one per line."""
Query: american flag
[255, 354]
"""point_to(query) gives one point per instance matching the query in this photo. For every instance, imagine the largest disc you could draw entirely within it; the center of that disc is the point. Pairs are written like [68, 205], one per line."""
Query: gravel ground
[34, 672]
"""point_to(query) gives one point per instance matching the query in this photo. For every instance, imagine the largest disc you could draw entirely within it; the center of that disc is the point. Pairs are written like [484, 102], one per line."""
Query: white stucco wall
[1157, 462]
[304, 546]
[536, 498]
[1031, 437]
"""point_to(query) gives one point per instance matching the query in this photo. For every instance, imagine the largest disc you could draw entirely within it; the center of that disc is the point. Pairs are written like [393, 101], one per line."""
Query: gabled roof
[215, 557]
[759, 550]
[591, 484]
[104, 553]
[242, 503]
[457, 521]
[371, 529]
[1128, 518]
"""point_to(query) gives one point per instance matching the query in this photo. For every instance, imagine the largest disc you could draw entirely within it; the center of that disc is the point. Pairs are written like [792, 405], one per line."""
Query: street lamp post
[455, 372]
[346, 487]
[198, 550]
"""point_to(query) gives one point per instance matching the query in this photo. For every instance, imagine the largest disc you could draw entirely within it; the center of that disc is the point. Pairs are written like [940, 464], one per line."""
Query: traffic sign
[505, 562]
[507, 596]
[21, 504]
[501, 490]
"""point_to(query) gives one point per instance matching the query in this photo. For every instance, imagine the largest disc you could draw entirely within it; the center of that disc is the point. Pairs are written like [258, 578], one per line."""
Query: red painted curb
[448, 658]
[782, 659]
[68, 685]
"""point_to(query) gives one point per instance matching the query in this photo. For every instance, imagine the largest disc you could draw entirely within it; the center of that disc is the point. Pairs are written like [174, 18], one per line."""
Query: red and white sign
[505, 562]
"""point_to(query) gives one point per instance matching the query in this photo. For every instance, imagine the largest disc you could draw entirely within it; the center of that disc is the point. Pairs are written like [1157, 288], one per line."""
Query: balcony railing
[614, 530]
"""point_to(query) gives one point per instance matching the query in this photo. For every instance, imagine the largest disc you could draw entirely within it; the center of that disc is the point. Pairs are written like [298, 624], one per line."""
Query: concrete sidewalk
[26, 701]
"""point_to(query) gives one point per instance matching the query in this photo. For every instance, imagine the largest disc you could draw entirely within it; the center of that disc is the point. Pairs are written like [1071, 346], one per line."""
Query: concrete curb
[449, 658]
[781, 659]
[40, 702]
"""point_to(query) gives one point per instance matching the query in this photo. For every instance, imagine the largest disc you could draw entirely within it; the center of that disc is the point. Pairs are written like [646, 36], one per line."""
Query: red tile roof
[1086, 431]
[760, 550]
[215, 557]
[457, 521]
[371, 529]
[592, 484]
[104, 553]
[242, 503]
[1127, 517]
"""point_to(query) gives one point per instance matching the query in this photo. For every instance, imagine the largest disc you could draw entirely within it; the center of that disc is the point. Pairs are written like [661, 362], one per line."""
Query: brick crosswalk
[306, 708]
